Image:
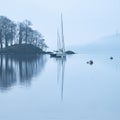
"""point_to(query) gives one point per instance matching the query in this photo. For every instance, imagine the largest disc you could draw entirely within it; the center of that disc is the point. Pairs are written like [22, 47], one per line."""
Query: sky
[85, 21]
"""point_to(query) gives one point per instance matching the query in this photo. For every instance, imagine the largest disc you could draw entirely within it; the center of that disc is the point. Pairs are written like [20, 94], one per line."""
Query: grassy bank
[21, 49]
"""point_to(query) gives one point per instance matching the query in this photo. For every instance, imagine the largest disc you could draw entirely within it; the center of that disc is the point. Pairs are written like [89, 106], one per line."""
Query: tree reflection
[19, 69]
[7, 73]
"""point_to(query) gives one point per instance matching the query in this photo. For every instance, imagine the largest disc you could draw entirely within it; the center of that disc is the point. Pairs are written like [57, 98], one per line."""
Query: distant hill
[104, 44]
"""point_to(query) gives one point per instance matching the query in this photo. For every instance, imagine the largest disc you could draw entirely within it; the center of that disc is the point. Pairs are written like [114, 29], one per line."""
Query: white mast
[58, 40]
[62, 35]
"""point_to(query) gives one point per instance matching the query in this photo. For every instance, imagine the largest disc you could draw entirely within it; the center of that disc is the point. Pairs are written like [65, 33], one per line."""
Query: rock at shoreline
[69, 52]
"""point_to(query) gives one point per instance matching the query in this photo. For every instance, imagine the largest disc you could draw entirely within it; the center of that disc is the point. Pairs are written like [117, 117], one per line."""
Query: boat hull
[57, 55]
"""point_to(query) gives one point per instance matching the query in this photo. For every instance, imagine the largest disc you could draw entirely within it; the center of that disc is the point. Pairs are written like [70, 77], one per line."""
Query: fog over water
[85, 21]
[84, 86]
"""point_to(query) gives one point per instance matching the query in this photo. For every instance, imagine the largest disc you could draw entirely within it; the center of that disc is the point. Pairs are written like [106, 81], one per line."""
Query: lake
[44, 88]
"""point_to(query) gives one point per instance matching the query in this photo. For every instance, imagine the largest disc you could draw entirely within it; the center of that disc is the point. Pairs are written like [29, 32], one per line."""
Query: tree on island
[19, 33]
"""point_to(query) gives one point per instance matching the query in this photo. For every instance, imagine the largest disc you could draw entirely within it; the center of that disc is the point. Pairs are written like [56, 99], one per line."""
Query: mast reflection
[60, 74]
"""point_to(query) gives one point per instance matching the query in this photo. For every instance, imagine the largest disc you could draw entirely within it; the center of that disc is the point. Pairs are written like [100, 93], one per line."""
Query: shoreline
[26, 49]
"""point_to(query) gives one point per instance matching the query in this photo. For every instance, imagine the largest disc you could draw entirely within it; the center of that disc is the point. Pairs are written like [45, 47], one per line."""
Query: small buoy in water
[87, 62]
[111, 58]
[90, 62]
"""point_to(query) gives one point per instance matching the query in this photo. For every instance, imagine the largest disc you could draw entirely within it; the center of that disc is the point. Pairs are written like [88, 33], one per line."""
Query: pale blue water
[43, 88]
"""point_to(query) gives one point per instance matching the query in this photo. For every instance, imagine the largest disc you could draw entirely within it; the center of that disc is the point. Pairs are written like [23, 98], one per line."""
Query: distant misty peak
[106, 43]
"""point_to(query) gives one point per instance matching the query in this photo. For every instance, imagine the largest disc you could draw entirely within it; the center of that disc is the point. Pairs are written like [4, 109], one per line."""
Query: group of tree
[19, 33]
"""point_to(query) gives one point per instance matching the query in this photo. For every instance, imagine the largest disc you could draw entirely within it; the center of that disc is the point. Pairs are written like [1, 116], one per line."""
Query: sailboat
[60, 43]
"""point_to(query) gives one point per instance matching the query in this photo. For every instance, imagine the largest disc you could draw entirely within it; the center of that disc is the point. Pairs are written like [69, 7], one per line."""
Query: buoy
[90, 62]
[111, 58]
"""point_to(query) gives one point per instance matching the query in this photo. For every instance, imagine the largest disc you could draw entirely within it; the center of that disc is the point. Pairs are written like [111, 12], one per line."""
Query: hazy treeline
[18, 33]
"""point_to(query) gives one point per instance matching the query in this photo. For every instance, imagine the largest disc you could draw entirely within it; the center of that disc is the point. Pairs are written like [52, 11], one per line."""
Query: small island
[22, 49]
[20, 38]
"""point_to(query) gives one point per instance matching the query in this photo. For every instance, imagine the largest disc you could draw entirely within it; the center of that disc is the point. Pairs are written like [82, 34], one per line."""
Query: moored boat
[60, 44]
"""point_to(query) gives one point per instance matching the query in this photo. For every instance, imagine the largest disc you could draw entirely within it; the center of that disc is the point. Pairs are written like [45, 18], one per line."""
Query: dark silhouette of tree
[12, 32]
[21, 33]
[27, 25]
[1, 31]
[1, 38]
[38, 40]
[7, 30]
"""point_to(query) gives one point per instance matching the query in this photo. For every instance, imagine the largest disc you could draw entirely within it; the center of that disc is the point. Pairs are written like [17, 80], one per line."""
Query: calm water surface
[44, 88]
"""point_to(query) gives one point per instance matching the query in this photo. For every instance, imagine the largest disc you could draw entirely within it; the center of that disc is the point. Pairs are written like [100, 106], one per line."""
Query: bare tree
[7, 30]
[23, 32]
[27, 25]
[1, 38]
[12, 33]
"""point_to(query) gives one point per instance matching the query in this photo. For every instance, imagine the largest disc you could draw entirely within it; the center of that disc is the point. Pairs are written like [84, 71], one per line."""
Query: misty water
[44, 88]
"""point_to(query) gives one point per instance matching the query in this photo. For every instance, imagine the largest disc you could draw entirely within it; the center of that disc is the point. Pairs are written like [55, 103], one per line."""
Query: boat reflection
[60, 74]
[19, 69]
